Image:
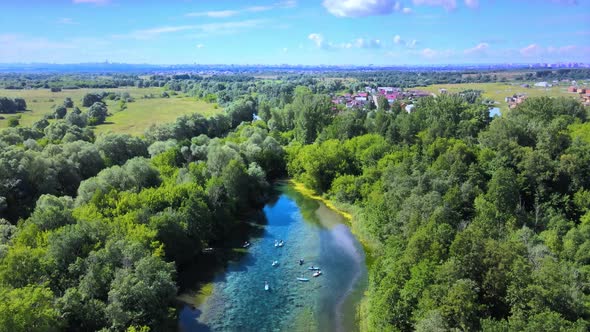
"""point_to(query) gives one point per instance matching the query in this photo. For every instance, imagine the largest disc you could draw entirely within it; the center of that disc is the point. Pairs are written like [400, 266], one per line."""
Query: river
[310, 231]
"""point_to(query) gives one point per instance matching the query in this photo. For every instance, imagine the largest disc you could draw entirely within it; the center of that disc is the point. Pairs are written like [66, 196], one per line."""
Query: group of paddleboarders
[316, 270]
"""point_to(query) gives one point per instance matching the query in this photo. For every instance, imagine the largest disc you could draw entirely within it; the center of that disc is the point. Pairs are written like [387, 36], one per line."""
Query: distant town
[371, 95]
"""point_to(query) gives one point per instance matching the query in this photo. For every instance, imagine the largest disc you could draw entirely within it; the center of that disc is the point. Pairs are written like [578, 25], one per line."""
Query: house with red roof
[362, 96]
[392, 97]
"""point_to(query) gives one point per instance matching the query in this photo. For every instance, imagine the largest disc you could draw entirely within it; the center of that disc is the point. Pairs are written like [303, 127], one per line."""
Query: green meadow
[498, 91]
[134, 119]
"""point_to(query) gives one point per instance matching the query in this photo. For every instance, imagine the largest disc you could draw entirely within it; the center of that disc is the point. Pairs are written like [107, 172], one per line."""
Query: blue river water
[311, 232]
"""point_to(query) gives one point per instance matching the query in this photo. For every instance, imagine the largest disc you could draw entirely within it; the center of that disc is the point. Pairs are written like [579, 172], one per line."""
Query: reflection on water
[311, 232]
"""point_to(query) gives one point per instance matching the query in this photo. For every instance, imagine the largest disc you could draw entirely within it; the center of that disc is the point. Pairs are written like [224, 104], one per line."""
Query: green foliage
[476, 224]
[77, 119]
[241, 110]
[97, 113]
[7, 106]
[28, 309]
[21, 104]
[313, 113]
[138, 294]
[116, 149]
[13, 121]
[383, 104]
[60, 112]
[68, 102]
[52, 212]
[90, 99]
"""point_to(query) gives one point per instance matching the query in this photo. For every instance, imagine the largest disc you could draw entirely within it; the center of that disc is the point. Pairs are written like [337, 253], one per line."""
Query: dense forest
[474, 223]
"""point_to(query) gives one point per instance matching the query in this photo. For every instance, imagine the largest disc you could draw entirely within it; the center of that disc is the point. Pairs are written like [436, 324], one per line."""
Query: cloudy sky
[380, 32]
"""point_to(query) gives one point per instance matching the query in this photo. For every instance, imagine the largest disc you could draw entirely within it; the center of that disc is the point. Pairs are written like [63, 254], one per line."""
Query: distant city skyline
[329, 32]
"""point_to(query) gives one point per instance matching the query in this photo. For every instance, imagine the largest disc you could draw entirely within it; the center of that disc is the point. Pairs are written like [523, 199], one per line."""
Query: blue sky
[380, 32]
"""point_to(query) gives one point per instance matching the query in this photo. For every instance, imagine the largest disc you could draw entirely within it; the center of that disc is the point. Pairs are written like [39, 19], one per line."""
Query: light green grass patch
[143, 113]
[42, 101]
[138, 116]
[498, 91]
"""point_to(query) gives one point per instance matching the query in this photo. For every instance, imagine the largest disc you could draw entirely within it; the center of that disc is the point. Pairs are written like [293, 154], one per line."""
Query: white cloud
[439, 54]
[318, 39]
[531, 50]
[200, 46]
[256, 9]
[96, 2]
[286, 4]
[569, 51]
[235, 12]
[229, 27]
[215, 14]
[446, 4]
[367, 43]
[320, 42]
[407, 10]
[360, 8]
[66, 20]
[285, 50]
[209, 28]
[478, 49]
[155, 32]
[472, 3]
[397, 39]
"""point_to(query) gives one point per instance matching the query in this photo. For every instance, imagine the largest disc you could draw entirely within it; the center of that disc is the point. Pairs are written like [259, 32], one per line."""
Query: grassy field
[498, 91]
[142, 113]
[138, 116]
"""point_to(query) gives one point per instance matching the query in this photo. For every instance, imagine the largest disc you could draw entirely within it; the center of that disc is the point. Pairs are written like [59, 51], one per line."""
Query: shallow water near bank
[310, 231]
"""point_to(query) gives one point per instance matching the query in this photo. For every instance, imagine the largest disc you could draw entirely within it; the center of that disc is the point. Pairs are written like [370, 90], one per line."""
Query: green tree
[28, 309]
[21, 104]
[68, 102]
[97, 113]
[460, 306]
[90, 99]
[116, 149]
[60, 112]
[77, 119]
[382, 103]
[312, 114]
[7, 105]
[502, 191]
[141, 296]
[13, 121]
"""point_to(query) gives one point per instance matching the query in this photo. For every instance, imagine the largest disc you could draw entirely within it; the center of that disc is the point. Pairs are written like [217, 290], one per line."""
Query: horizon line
[296, 65]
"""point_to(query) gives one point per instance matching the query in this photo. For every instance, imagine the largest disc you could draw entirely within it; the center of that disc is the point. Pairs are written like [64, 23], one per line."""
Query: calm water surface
[310, 231]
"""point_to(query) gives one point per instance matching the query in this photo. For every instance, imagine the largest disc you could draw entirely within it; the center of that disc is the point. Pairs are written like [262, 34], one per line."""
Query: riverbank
[300, 187]
[345, 211]
[356, 230]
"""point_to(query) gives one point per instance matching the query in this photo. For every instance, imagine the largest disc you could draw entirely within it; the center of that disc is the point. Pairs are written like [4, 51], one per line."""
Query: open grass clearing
[498, 91]
[138, 115]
